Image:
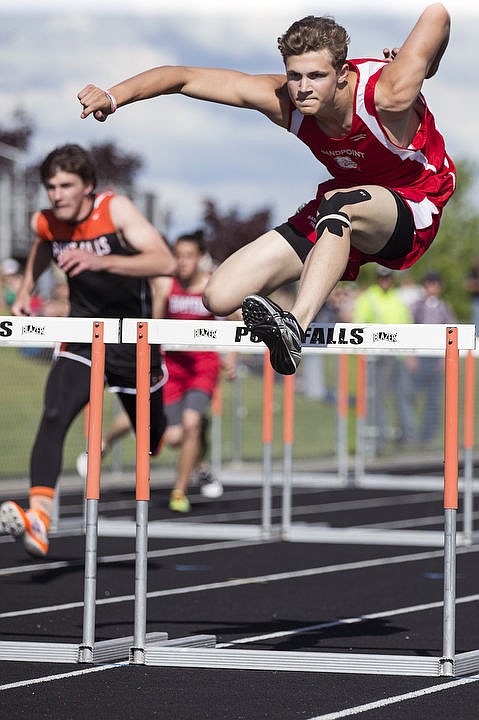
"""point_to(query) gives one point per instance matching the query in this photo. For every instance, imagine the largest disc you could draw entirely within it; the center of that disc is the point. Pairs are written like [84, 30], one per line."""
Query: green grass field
[315, 422]
[22, 398]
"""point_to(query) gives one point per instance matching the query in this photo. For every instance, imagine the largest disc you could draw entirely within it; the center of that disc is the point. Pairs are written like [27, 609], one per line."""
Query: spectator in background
[428, 372]
[313, 375]
[382, 303]
[11, 278]
[58, 303]
[409, 290]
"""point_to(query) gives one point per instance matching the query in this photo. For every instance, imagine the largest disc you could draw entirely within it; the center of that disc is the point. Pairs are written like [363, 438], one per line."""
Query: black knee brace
[329, 216]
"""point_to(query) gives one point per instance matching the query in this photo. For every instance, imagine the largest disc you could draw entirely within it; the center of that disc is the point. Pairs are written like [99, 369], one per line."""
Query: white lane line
[62, 676]
[331, 716]
[319, 507]
[384, 702]
[347, 621]
[299, 510]
[419, 521]
[238, 582]
[110, 505]
[105, 559]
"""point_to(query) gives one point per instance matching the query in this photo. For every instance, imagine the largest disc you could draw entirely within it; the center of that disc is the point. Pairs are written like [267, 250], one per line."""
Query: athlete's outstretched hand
[95, 102]
[390, 54]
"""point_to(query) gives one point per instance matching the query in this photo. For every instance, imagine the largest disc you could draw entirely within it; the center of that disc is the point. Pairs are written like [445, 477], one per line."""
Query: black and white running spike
[278, 329]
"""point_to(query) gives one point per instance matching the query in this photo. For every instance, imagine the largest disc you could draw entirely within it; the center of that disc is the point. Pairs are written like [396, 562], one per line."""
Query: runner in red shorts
[368, 123]
[192, 375]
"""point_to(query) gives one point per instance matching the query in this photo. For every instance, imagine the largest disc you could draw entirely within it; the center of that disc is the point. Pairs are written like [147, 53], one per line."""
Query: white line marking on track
[62, 676]
[347, 621]
[109, 505]
[322, 507]
[418, 521]
[105, 559]
[384, 702]
[238, 582]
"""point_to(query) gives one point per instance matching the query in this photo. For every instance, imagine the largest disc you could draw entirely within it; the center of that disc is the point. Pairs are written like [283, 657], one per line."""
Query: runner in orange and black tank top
[101, 294]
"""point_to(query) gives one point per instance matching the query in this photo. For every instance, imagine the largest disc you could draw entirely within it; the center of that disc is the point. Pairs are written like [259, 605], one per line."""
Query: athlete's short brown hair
[69, 158]
[197, 237]
[315, 33]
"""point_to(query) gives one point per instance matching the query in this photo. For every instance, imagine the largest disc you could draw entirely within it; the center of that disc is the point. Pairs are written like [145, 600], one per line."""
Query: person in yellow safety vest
[382, 303]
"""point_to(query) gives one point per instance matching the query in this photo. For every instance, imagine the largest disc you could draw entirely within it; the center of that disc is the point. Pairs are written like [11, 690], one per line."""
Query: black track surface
[385, 580]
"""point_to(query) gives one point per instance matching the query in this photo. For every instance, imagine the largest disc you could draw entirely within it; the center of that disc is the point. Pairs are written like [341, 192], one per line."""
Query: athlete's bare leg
[362, 217]
[262, 266]
[187, 437]
[373, 223]
[119, 427]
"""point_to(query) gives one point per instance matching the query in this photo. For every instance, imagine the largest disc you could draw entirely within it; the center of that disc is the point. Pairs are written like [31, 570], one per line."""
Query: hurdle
[19, 331]
[362, 479]
[403, 339]
[221, 335]
[451, 339]
[362, 475]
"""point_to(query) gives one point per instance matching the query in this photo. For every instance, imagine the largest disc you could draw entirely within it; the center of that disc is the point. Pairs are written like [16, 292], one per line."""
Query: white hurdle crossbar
[351, 338]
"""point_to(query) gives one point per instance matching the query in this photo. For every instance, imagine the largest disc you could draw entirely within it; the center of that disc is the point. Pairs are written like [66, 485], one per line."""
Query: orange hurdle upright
[267, 437]
[216, 413]
[361, 411]
[343, 413]
[288, 438]
[137, 652]
[469, 409]
[451, 455]
[92, 492]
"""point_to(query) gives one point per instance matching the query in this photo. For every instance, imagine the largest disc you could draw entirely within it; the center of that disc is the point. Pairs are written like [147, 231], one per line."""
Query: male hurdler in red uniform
[368, 123]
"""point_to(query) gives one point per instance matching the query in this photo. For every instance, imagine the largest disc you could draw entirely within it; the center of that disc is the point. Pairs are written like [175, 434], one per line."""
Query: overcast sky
[193, 150]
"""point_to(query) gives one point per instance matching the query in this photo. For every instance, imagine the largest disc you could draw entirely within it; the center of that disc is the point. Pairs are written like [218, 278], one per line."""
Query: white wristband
[113, 102]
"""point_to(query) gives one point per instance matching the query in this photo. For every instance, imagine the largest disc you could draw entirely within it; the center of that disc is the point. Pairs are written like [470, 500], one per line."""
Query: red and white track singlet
[422, 174]
[195, 370]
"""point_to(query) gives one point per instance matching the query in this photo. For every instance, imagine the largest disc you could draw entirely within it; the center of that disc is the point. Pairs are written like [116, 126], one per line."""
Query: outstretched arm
[153, 255]
[418, 58]
[265, 93]
[38, 260]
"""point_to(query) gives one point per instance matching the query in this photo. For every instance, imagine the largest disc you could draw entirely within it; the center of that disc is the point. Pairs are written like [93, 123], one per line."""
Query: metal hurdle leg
[288, 436]
[92, 494]
[451, 452]
[143, 643]
[268, 399]
[343, 411]
[109, 649]
[87, 651]
[361, 402]
[469, 401]
[137, 653]
[216, 429]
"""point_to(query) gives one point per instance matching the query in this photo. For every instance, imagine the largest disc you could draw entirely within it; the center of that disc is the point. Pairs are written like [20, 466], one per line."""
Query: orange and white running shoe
[29, 525]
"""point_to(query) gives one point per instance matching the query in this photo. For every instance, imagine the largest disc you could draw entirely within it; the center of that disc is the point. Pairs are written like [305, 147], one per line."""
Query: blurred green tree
[456, 246]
